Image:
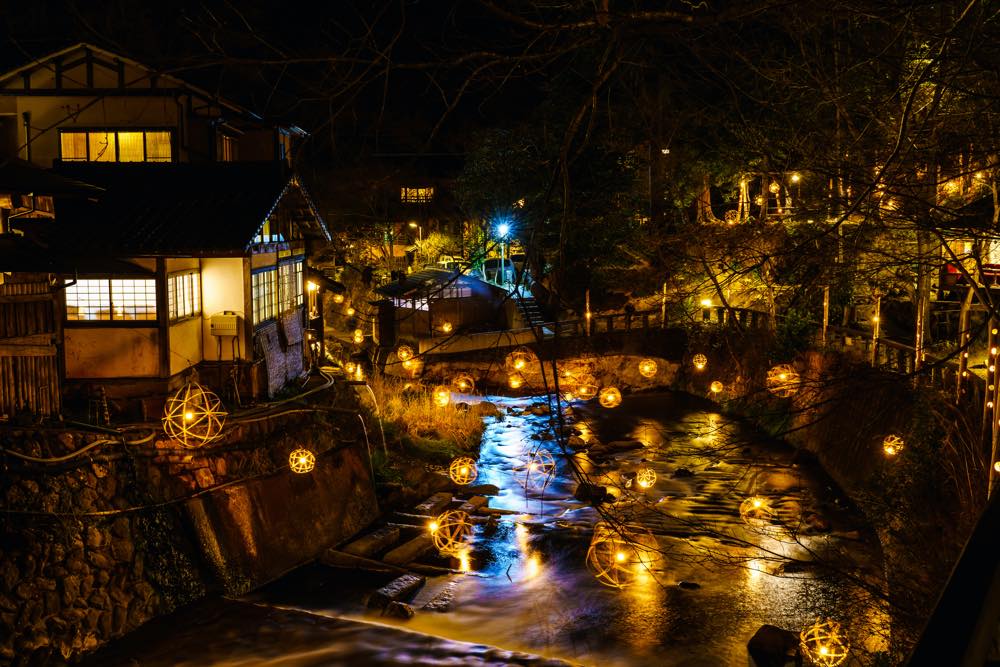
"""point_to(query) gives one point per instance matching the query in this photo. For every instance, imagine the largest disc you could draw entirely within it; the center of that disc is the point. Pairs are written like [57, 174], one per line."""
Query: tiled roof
[21, 177]
[166, 209]
[428, 281]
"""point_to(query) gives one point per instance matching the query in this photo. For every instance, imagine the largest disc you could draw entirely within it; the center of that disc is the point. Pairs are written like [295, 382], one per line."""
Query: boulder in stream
[399, 610]
[400, 588]
[683, 472]
[486, 409]
[772, 646]
[592, 493]
[481, 490]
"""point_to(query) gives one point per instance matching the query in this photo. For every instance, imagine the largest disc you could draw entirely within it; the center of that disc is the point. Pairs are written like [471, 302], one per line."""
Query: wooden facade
[30, 325]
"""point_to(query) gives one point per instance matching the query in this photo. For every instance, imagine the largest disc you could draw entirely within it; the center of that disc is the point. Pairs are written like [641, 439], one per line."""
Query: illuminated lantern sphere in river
[756, 511]
[449, 530]
[338, 298]
[610, 397]
[301, 460]
[700, 361]
[359, 336]
[404, 352]
[350, 311]
[716, 387]
[586, 387]
[647, 368]
[537, 470]
[194, 416]
[824, 643]
[645, 477]
[520, 360]
[463, 470]
[441, 396]
[892, 445]
[446, 327]
[783, 380]
[620, 556]
[463, 383]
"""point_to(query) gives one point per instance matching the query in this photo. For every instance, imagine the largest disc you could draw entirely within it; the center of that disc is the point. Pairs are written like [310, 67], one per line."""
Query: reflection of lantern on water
[645, 477]
[783, 380]
[193, 416]
[359, 336]
[359, 373]
[537, 471]
[756, 511]
[892, 445]
[515, 381]
[647, 368]
[463, 383]
[610, 397]
[619, 556]
[441, 396]
[699, 361]
[586, 387]
[404, 352]
[449, 531]
[716, 387]
[824, 643]
[301, 460]
[463, 470]
[520, 360]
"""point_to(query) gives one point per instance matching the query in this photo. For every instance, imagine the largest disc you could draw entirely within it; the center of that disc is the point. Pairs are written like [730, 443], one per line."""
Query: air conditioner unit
[226, 323]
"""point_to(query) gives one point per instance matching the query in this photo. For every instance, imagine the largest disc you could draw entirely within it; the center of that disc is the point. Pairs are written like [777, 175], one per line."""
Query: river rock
[592, 493]
[576, 442]
[814, 524]
[433, 505]
[772, 646]
[399, 610]
[688, 585]
[400, 588]
[539, 409]
[482, 490]
[486, 409]
[409, 551]
[373, 542]
[461, 407]
[442, 601]
[683, 472]
[615, 447]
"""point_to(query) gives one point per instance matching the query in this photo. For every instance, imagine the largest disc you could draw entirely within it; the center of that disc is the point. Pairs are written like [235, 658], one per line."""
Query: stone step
[433, 505]
[409, 551]
[374, 542]
[473, 504]
[400, 588]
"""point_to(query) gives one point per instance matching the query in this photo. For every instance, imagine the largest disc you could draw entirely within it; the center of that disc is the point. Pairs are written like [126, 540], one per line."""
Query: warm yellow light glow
[446, 327]
[875, 318]
[996, 466]
[610, 397]
[338, 298]
[586, 388]
[311, 286]
[193, 416]
[993, 351]
[359, 336]
[349, 367]
[301, 460]
[515, 381]
[796, 178]
[441, 396]
[350, 311]
[707, 303]
[716, 387]
[520, 360]
[463, 470]
[699, 361]
[432, 526]
[404, 352]
[621, 555]
[647, 368]
[756, 511]
[892, 445]
[824, 643]
[463, 383]
[537, 471]
[774, 188]
[783, 380]
[450, 530]
[645, 477]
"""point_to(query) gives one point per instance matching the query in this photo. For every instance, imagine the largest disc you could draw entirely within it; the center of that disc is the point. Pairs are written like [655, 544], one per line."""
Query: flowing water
[529, 589]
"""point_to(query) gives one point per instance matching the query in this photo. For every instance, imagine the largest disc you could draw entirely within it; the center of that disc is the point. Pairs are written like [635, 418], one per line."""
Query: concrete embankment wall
[92, 548]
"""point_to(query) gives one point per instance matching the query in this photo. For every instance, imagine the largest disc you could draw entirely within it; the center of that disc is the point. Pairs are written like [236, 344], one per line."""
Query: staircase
[530, 312]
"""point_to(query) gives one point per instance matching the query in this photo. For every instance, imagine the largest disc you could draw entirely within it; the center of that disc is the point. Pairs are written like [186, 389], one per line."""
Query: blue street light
[503, 229]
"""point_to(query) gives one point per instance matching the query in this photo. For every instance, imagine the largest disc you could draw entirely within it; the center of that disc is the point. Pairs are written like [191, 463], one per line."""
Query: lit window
[116, 146]
[114, 299]
[290, 284]
[183, 295]
[269, 233]
[416, 195]
[264, 288]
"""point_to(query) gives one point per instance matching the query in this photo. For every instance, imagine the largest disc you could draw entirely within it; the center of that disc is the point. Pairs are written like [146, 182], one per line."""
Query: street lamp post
[503, 229]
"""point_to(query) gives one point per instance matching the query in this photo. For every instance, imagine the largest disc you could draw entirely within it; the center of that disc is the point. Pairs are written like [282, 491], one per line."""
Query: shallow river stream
[530, 590]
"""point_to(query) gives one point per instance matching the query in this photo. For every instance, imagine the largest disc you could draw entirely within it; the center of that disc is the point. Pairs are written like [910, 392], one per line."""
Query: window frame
[416, 195]
[273, 270]
[112, 321]
[297, 266]
[116, 130]
[172, 300]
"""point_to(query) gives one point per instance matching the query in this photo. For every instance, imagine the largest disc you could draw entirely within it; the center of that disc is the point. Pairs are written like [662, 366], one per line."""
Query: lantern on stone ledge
[301, 461]
[193, 416]
[449, 530]
[610, 397]
[647, 368]
[824, 643]
[783, 380]
[463, 470]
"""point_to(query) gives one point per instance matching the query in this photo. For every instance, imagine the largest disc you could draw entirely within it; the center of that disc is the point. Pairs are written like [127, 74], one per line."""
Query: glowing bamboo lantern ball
[774, 188]
[194, 416]
[824, 643]
[756, 511]
[446, 327]
[520, 360]
[349, 367]
[463, 470]
[350, 311]
[301, 461]
[996, 466]
[618, 556]
[586, 388]
[515, 381]
[645, 477]
[610, 397]
[892, 445]
[463, 383]
[731, 216]
[716, 387]
[338, 298]
[536, 472]
[449, 530]
[404, 352]
[700, 361]
[647, 368]
[441, 396]
[359, 336]
[783, 380]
